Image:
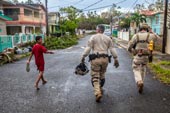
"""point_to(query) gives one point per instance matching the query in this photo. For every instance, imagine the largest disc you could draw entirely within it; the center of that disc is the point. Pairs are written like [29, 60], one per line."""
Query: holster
[94, 56]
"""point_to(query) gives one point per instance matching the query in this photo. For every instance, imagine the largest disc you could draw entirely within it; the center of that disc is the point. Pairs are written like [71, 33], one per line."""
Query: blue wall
[155, 23]
[156, 26]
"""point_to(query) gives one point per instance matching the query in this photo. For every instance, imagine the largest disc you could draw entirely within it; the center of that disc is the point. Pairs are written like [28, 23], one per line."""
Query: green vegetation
[162, 71]
[135, 18]
[28, 44]
[60, 42]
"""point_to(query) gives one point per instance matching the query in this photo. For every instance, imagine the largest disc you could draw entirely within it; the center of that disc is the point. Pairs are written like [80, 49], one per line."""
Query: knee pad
[102, 81]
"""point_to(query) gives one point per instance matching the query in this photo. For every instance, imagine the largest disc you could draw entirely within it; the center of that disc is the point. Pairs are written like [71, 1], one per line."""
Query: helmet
[81, 69]
[144, 25]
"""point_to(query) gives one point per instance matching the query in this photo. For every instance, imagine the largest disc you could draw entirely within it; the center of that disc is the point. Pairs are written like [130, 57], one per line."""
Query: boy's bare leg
[38, 79]
[43, 80]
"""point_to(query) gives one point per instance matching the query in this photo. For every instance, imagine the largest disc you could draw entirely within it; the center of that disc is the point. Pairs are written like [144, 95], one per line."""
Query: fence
[5, 42]
[115, 33]
[8, 41]
[123, 35]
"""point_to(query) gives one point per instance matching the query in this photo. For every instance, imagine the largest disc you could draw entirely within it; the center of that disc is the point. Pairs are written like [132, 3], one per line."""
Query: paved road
[67, 93]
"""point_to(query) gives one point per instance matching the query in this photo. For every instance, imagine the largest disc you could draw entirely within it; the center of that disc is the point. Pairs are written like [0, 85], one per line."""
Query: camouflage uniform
[99, 44]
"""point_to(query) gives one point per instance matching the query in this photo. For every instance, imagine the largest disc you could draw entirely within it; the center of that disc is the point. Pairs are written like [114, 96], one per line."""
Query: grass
[161, 70]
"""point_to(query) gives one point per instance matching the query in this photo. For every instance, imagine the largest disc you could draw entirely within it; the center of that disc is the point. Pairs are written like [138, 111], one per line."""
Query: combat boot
[140, 86]
[98, 97]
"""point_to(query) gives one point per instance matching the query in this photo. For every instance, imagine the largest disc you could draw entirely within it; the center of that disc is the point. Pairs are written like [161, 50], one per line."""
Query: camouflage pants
[98, 69]
[139, 68]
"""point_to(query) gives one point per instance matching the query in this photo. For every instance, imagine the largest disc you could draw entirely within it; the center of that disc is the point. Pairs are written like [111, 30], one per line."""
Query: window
[27, 12]
[36, 14]
[155, 30]
[42, 15]
[157, 19]
[12, 13]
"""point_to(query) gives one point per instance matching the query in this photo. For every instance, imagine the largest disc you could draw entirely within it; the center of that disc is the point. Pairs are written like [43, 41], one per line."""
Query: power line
[147, 2]
[78, 2]
[132, 5]
[74, 3]
[92, 4]
[104, 6]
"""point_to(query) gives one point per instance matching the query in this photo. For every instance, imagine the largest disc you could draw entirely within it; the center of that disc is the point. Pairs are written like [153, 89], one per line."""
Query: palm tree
[138, 18]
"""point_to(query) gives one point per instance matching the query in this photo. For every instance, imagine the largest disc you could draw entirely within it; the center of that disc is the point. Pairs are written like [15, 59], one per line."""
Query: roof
[27, 5]
[149, 13]
[6, 2]
[54, 13]
[37, 5]
[31, 6]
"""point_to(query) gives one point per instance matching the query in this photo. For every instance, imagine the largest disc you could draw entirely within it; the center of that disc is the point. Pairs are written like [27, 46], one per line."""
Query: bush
[27, 44]
[60, 42]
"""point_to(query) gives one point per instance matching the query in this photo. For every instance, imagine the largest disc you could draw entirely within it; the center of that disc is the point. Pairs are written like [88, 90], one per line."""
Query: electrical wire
[92, 4]
[75, 3]
[132, 5]
[104, 6]
[78, 2]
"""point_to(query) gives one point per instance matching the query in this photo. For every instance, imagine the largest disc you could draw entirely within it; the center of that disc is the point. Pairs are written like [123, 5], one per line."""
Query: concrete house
[154, 20]
[26, 18]
[53, 19]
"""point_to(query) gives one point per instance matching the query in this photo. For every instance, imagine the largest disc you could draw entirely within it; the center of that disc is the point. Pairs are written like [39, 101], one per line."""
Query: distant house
[26, 18]
[154, 20]
[53, 19]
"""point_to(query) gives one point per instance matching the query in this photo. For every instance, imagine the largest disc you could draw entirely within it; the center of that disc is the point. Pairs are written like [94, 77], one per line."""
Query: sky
[89, 5]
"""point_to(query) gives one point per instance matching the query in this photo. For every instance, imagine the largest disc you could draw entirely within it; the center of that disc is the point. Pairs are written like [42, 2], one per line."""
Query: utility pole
[111, 17]
[111, 24]
[165, 28]
[46, 5]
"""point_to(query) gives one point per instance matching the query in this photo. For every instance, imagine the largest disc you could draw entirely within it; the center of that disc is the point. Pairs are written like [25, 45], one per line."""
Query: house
[154, 20]
[3, 18]
[53, 19]
[26, 18]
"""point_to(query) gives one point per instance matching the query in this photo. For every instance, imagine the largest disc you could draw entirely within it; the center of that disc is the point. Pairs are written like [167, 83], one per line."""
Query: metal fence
[5, 42]
[8, 41]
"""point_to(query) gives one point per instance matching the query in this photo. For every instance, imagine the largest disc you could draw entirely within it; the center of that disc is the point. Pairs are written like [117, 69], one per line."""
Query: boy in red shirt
[38, 51]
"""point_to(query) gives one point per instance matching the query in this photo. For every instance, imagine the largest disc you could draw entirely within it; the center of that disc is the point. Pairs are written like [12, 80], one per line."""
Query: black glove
[116, 63]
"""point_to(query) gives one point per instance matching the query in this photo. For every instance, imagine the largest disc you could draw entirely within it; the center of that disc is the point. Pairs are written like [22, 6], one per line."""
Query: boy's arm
[46, 51]
[49, 52]
[29, 59]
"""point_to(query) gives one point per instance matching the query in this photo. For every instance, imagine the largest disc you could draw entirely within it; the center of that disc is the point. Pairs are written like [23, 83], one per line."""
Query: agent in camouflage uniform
[139, 46]
[100, 45]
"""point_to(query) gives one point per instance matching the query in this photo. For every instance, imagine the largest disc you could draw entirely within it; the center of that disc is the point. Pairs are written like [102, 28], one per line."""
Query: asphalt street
[66, 92]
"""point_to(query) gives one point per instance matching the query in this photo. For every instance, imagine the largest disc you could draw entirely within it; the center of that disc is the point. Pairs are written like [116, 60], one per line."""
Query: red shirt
[38, 51]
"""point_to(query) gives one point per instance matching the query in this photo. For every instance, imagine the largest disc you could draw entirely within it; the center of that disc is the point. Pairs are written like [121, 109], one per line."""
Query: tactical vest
[141, 46]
